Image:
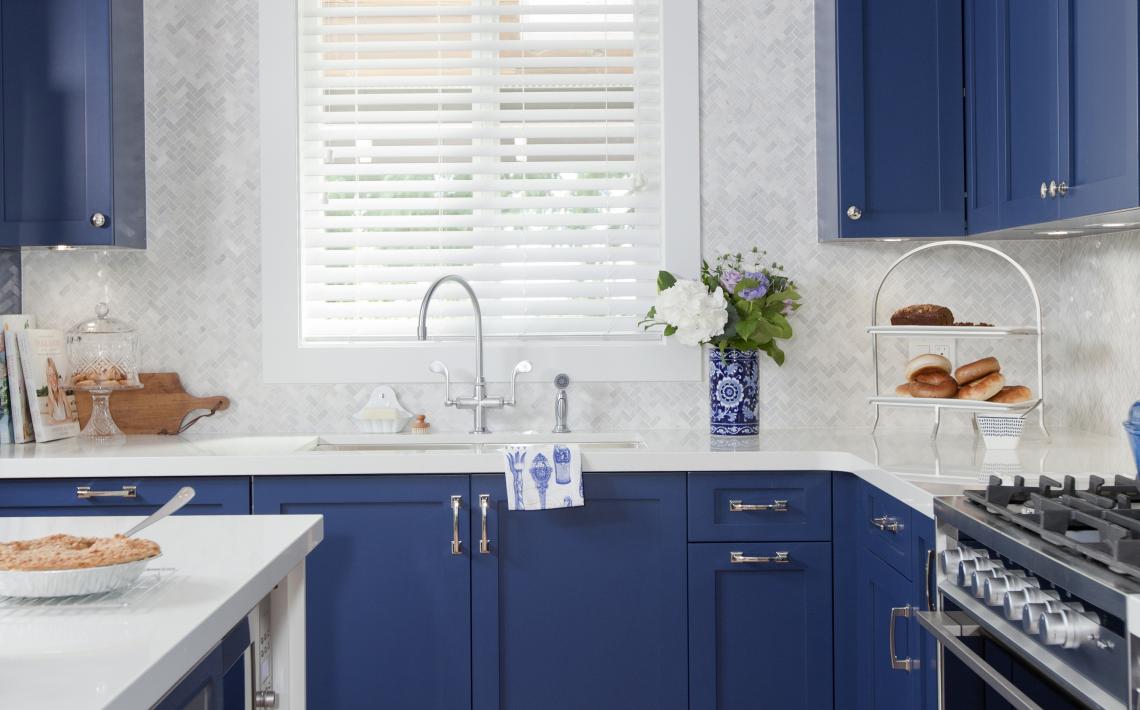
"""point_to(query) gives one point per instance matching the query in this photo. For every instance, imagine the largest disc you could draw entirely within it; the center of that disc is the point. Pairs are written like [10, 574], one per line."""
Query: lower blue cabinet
[39, 497]
[580, 607]
[760, 630]
[388, 607]
[878, 588]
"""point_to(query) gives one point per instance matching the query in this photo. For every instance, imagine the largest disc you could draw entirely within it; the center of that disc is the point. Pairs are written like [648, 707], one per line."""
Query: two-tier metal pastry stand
[957, 333]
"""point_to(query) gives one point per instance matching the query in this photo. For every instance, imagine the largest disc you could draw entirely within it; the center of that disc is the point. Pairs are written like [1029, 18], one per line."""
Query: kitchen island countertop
[126, 651]
[906, 465]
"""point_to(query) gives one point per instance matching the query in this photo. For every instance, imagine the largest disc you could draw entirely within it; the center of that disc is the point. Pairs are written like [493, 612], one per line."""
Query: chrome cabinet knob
[1062, 188]
[1053, 188]
[854, 213]
[1015, 601]
[1044, 190]
[98, 219]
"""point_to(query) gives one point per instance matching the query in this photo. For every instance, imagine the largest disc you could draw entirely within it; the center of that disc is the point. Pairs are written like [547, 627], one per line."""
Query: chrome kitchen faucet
[479, 401]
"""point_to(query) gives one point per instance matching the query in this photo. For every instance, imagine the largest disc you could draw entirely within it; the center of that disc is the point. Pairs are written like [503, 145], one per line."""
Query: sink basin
[473, 443]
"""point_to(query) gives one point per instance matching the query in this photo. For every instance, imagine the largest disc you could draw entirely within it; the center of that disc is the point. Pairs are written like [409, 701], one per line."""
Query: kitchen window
[545, 150]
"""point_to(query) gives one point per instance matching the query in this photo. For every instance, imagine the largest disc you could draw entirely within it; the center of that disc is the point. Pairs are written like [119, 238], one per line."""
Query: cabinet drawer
[227, 495]
[759, 506]
[883, 526]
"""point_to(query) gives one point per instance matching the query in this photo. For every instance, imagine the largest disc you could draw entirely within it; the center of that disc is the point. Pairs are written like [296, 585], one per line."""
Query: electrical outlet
[945, 348]
[916, 348]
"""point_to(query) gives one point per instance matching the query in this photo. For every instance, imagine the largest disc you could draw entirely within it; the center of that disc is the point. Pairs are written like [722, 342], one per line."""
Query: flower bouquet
[739, 306]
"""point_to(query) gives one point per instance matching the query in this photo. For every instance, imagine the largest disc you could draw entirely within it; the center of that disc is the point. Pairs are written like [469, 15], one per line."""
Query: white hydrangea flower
[698, 316]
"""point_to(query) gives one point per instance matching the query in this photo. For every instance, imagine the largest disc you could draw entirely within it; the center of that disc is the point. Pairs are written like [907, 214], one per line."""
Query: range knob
[1068, 628]
[1032, 613]
[967, 568]
[978, 581]
[1015, 601]
[949, 559]
[997, 587]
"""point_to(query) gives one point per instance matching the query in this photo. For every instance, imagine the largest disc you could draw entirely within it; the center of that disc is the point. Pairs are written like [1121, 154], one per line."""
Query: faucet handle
[440, 369]
[523, 366]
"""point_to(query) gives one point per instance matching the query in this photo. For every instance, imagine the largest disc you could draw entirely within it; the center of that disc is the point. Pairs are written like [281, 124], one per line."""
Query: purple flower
[761, 289]
[729, 279]
[788, 303]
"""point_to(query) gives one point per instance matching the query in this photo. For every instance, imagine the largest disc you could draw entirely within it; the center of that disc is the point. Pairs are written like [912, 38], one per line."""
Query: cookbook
[15, 414]
[43, 357]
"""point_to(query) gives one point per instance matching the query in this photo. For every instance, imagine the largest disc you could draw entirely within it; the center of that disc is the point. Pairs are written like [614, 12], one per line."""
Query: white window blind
[513, 142]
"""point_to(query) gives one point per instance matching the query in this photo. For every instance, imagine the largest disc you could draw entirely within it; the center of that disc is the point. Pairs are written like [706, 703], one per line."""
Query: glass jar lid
[103, 322]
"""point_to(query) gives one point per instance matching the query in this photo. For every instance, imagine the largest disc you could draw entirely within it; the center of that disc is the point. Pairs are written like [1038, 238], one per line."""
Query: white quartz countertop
[98, 654]
[906, 465]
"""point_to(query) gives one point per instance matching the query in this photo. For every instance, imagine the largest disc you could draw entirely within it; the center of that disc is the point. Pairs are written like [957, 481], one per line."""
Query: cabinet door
[1099, 157]
[899, 94]
[760, 632]
[879, 588]
[228, 495]
[387, 603]
[581, 607]
[55, 122]
[1014, 69]
[923, 597]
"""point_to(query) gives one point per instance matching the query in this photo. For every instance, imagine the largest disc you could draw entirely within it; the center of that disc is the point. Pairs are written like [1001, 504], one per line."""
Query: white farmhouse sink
[468, 442]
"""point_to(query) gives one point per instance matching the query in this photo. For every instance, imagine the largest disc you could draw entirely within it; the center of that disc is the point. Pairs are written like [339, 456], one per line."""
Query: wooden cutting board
[158, 408]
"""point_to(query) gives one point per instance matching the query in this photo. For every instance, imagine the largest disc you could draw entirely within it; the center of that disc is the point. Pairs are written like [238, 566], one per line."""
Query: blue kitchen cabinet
[39, 497]
[388, 604]
[218, 681]
[878, 588]
[582, 607]
[760, 628]
[890, 145]
[1051, 110]
[72, 167]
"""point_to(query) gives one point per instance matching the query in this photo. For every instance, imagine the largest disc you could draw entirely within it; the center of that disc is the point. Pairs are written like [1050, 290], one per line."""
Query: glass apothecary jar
[104, 355]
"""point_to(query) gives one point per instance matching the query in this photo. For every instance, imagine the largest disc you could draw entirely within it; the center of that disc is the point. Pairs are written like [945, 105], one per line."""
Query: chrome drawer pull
[900, 664]
[887, 524]
[82, 492]
[456, 543]
[739, 558]
[776, 506]
[484, 543]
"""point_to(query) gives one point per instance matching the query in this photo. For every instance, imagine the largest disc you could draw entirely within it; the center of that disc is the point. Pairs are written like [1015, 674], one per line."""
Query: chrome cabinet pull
[1044, 190]
[739, 558]
[776, 506]
[900, 664]
[1062, 188]
[887, 524]
[1053, 188]
[484, 543]
[456, 543]
[83, 492]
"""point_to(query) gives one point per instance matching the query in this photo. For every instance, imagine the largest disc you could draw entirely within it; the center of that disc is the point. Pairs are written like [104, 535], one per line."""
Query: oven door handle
[946, 629]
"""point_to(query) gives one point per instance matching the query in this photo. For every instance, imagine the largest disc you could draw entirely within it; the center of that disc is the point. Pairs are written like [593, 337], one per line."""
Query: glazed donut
[983, 389]
[1013, 395]
[934, 385]
[925, 364]
[977, 370]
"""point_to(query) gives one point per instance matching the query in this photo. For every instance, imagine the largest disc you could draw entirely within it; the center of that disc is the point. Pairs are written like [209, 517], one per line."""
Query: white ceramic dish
[70, 582]
[1000, 432]
[383, 399]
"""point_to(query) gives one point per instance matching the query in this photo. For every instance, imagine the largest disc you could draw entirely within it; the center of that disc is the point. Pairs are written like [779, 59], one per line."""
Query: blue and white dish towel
[542, 476]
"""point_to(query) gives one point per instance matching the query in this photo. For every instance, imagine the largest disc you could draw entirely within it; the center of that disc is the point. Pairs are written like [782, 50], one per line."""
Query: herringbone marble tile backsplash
[195, 293]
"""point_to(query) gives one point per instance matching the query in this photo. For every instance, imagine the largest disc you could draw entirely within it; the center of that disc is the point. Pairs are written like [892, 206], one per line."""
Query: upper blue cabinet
[72, 169]
[889, 118]
[1051, 110]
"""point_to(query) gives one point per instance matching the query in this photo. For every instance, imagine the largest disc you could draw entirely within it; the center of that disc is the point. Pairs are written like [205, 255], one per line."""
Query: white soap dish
[383, 414]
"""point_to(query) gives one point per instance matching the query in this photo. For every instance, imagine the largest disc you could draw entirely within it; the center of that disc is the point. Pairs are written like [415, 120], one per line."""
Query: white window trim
[285, 359]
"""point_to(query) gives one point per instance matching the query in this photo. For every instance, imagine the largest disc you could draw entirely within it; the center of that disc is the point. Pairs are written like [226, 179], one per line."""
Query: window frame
[285, 359]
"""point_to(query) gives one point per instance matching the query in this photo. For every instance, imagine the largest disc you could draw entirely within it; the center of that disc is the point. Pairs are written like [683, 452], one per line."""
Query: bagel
[977, 370]
[982, 389]
[903, 390]
[925, 364]
[1013, 395]
[933, 385]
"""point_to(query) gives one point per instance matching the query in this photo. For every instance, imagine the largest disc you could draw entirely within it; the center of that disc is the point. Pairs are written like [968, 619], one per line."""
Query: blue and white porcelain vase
[733, 392]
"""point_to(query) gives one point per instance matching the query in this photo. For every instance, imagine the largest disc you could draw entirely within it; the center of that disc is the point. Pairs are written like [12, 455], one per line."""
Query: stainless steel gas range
[1039, 593]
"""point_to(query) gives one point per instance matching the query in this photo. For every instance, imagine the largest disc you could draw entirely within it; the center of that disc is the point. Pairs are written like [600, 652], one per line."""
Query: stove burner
[1102, 522]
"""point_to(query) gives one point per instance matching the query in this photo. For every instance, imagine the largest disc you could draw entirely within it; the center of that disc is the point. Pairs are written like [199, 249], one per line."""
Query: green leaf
[665, 280]
[652, 313]
[670, 329]
[745, 328]
[783, 328]
[774, 352]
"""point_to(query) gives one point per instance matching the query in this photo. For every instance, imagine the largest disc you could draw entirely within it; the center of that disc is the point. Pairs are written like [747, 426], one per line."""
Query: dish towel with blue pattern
[543, 476]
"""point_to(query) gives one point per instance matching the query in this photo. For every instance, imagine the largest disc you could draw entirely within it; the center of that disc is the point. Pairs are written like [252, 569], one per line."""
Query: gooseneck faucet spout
[478, 402]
